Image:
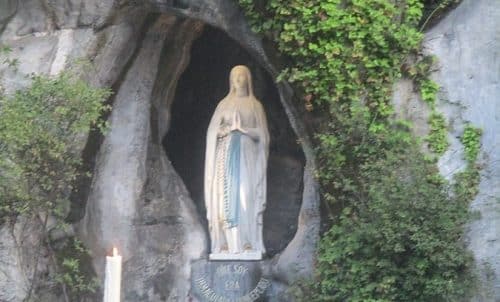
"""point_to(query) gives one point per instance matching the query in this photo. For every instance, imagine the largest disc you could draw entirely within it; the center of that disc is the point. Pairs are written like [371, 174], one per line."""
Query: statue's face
[240, 81]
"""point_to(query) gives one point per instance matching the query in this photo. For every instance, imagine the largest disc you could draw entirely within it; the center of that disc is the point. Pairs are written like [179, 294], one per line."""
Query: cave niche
[201, 86]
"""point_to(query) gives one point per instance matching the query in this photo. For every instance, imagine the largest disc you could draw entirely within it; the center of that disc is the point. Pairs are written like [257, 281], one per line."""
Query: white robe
[246, 236]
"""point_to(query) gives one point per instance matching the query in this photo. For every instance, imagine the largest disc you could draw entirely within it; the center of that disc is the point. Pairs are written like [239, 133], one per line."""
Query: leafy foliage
[339, 55]
[39, 151]
[467, 182]
[419, 72]
[72, 273]
[471, 139]
[428, 91]
[42, 129]
[402, 243]
[437, 138]
[395, 231]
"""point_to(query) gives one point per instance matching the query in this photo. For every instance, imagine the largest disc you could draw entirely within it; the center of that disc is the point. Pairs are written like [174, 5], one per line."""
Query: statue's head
[240, 81]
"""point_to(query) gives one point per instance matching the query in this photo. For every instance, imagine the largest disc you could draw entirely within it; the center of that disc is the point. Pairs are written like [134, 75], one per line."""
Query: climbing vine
[471, 139]
[437, 138]
[419, 72]
[396, 233]
[467, 181]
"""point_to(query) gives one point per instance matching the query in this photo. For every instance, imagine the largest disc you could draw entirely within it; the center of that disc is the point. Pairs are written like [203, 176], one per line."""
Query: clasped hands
[236, 124]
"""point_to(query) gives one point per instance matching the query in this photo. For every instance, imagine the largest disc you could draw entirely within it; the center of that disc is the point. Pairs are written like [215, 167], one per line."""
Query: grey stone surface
[467, 46]
[121, 166]
[19, 245]
[50, 52]
[27, 17]
[137, 201]
[408, 106]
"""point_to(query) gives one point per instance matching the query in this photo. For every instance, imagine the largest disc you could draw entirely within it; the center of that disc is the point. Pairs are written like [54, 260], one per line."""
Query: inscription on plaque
[232, 285]
[229, 282]
[212, 296]
[231, 269]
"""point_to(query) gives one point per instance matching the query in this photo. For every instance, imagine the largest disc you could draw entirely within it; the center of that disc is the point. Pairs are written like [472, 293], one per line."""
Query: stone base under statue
[250, 255]
[229, 281]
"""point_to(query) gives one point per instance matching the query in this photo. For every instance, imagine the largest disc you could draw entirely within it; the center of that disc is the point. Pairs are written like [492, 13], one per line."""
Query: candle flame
[115, 252]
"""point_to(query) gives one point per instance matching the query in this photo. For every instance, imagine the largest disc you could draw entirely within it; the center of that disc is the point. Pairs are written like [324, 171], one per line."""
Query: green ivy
[467, 182]
[437, 137]
[395, 231]
[428, 91]
[419, 72]
[471, 139]
[341, 55]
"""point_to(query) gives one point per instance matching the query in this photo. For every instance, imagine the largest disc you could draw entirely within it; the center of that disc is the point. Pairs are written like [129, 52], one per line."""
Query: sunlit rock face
[144, 195]
[467, 46]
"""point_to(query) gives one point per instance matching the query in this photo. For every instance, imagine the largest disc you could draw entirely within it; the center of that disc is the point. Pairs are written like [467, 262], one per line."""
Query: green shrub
[42, 131]
[402, 241]
[395, 231]
[40, 128]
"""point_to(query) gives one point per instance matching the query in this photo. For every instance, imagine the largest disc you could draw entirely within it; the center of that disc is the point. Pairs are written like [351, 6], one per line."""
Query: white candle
[113, 277]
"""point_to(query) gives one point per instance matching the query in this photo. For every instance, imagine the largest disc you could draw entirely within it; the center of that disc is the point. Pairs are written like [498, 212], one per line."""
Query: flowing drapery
[235, 174]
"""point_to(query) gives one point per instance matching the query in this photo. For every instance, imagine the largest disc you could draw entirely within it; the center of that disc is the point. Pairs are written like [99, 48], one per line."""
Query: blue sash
[232, 181]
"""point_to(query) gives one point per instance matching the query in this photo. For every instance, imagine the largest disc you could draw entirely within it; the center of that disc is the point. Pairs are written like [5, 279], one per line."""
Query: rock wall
[19, 244]
[467, 46]
[137, 202]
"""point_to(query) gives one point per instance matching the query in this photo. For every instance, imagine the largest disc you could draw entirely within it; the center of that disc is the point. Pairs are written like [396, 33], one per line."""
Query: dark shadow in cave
[202, 85]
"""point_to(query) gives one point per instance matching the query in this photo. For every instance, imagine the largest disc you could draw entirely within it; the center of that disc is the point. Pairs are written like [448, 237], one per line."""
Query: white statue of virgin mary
[235, 172]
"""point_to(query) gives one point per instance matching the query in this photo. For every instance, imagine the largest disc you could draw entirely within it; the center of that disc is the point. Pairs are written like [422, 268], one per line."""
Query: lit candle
[113, 277]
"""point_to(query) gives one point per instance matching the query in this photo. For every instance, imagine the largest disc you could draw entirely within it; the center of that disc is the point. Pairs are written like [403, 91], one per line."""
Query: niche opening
[202, 85]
